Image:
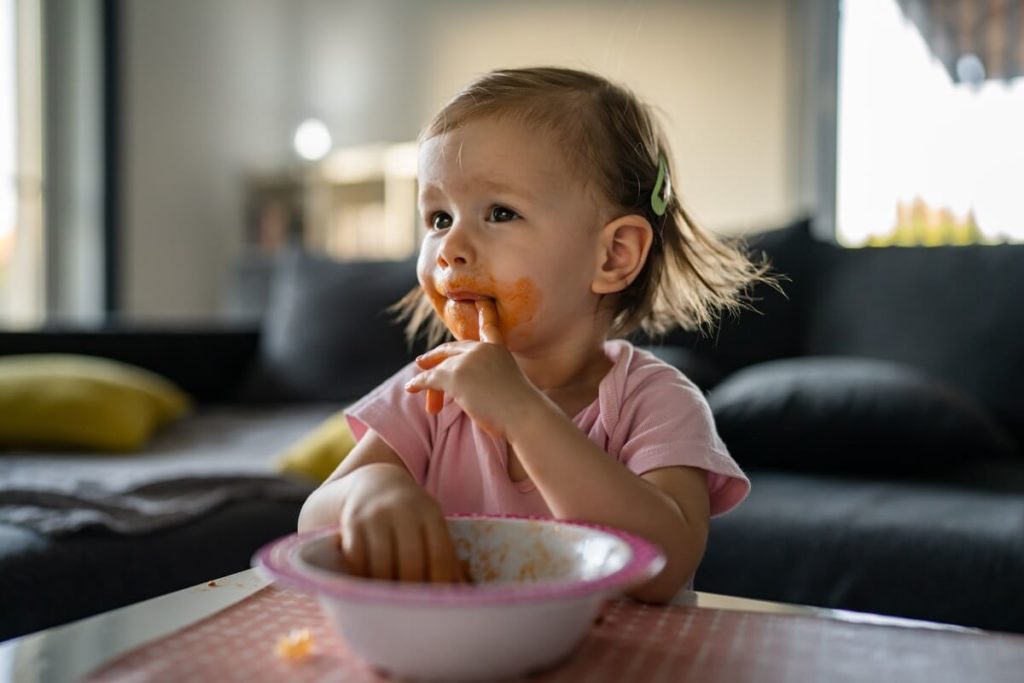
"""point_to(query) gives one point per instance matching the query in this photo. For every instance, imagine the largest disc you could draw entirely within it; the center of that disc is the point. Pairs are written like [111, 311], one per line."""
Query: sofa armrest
[211, 363]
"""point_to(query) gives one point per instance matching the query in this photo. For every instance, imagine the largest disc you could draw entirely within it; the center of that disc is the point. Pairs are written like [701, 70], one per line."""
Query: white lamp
[312, 139]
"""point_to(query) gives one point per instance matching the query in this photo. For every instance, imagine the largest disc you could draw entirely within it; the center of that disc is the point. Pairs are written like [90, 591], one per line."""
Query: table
[66, 653]
[69, 652]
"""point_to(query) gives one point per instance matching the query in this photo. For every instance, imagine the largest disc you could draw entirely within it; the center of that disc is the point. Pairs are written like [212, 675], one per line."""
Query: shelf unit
[356, 203]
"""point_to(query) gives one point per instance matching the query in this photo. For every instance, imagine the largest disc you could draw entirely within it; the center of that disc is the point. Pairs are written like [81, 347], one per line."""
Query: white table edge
[112, 633]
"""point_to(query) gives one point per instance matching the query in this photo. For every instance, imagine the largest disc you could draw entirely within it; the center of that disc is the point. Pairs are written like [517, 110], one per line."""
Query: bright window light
[8, 151]
[915, 147]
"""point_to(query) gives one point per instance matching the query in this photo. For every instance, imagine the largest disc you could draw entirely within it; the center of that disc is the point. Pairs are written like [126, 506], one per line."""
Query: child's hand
[488, 331]
[482, 377]
[391, 529]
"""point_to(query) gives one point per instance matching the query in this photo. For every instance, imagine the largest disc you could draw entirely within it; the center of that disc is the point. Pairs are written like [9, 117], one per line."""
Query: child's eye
[440, 221]
[502, 214]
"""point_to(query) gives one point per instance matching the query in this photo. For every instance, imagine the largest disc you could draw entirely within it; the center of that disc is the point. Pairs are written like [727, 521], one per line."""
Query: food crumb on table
[295, 646]
[211, 584]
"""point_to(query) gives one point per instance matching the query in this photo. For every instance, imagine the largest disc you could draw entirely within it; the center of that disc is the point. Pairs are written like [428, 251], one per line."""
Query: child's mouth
[460, 313]
[465, 297]
[455, 300]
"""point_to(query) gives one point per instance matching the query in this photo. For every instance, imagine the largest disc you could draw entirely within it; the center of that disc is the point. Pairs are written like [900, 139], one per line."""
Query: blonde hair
[690, 275]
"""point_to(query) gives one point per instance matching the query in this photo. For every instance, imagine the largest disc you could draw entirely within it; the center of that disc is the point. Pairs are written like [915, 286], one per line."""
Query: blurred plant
[920, 225]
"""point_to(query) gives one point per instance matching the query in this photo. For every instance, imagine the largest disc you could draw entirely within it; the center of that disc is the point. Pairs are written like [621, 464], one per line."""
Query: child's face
[507, 219]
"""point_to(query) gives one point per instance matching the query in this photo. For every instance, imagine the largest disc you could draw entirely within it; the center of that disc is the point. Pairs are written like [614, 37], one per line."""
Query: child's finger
[436, 356]
[442, 561]
[353, 551]
[380, 553]
[488, 322]
[434, 398]
[435, 401]
[410, 551]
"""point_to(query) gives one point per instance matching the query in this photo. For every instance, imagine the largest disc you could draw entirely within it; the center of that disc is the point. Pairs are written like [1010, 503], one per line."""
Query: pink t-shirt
[647, 415]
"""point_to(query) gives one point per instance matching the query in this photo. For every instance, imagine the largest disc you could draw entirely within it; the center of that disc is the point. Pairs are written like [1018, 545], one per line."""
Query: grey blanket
[189, 468]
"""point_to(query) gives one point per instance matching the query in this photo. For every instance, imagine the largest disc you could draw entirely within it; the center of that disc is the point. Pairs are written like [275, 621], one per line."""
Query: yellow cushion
[82, 402]
[318, 453]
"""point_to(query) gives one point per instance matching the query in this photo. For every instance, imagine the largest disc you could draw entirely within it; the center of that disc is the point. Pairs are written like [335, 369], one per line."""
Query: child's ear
[622, 251]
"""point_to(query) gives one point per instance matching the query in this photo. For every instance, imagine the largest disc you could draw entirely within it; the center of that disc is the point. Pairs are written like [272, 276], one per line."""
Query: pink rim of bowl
[279, 559]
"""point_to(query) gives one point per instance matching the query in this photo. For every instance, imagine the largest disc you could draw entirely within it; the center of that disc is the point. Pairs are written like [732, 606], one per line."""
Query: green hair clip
[658, 202]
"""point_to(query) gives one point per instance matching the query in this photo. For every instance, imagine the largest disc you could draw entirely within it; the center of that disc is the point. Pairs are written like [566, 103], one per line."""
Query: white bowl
[538, 586]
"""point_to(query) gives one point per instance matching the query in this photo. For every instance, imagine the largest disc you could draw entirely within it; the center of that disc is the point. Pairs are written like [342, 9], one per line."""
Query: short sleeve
[664, 421]
[399, 418]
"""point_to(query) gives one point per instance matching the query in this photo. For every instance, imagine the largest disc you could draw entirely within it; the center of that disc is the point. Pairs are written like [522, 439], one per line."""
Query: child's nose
[457, 248]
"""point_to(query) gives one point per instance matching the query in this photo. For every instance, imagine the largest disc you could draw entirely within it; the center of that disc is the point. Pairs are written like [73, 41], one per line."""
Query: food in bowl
[536, 587]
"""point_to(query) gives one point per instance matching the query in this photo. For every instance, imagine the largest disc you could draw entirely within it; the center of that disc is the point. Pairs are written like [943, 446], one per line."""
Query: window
[930, 139]
[8, 92]
[20, 163]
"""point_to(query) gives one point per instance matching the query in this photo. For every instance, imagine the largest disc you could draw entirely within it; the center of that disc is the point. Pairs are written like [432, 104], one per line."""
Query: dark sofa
[323, 342]
[48, 579]
[878, 410]
[875, 406]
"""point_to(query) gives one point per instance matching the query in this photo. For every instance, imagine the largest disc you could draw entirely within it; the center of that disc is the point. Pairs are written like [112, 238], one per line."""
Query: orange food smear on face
[516, 302]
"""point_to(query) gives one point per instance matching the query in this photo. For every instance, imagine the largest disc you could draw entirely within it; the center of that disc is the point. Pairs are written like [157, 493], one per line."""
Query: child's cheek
[518, 303]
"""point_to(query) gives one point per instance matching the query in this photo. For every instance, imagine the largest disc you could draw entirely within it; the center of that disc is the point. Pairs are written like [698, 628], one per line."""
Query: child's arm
[668, 506]
[390, 527]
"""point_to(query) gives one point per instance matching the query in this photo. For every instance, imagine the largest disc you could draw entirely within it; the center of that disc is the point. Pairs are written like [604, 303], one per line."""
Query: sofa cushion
[849, 414]
[954, 312]
[210, 362]
[925, 550]
[82, 402]
[327, 335]
[317, 454]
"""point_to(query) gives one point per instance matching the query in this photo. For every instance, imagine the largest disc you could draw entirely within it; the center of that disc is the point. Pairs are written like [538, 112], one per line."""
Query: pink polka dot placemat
[630, 642]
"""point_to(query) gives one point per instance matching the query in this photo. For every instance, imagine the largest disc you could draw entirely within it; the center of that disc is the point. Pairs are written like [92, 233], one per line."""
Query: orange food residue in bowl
[483, 563]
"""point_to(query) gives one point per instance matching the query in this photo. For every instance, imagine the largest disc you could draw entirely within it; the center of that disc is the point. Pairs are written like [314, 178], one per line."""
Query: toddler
[552, 228]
